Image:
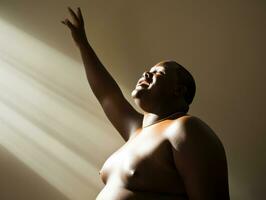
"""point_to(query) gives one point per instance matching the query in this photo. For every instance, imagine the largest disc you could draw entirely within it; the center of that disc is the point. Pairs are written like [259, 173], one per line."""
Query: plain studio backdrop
[54, 136]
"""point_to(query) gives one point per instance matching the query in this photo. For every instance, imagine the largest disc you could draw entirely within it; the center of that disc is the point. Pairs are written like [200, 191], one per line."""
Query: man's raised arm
[121, 114]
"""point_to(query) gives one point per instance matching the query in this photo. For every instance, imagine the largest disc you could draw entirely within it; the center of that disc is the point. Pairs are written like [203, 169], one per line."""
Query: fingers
[77, 19]
[68, 24]
[80, 16]
[74, 16]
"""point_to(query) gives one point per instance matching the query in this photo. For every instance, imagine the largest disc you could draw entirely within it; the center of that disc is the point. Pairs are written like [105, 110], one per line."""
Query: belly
[110, 192]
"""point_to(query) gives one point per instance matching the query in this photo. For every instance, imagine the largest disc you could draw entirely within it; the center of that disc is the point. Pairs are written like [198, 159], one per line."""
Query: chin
[141, 99]
[138, 93]
[134, 93]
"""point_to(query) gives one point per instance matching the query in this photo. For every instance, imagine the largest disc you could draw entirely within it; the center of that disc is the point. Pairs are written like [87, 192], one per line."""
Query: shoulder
[186, 128]
[192, 139]
[189, 121]
[200, 159]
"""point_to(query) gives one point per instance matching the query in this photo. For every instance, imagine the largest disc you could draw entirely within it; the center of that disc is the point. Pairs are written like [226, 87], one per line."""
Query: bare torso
[143, 168]
[146, 166]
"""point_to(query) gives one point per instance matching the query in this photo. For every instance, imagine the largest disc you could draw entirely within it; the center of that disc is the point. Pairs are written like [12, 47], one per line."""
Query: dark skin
[168, 154]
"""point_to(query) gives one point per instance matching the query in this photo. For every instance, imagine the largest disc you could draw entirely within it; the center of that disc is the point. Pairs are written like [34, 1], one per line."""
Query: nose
[147, 75]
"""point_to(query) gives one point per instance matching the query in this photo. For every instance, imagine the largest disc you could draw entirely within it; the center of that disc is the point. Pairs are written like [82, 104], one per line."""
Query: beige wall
[221, 42]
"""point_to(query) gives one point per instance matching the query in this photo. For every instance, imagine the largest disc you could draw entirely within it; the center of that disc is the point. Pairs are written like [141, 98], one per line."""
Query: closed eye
[158, 72]
[161, 72]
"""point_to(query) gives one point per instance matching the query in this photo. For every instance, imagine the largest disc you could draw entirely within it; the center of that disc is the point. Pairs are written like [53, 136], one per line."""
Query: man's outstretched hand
[76, 27]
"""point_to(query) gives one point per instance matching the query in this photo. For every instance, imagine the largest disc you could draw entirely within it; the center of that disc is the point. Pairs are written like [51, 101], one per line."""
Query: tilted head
[166, 85]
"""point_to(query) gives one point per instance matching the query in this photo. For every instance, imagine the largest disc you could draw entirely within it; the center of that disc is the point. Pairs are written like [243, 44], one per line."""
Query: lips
[143, 82]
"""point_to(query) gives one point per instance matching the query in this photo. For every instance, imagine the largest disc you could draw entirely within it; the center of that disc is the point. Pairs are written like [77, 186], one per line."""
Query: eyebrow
[152, 69]
[156, 68]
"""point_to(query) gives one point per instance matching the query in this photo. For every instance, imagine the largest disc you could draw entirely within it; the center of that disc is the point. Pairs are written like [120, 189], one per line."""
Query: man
[168, 154]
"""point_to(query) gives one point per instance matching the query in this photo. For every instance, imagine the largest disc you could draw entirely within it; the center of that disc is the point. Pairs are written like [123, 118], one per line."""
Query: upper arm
[200, 159]
[121, 114]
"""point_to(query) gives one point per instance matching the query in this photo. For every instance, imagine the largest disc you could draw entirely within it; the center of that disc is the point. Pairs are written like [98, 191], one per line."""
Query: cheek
[159, 88]
[161, 82]
[166, 87]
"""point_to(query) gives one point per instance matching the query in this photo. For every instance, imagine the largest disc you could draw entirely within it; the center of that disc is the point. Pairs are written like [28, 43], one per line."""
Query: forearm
[100, 80]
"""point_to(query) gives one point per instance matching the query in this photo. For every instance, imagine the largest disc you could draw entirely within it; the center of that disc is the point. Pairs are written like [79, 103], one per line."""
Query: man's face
[155, 84]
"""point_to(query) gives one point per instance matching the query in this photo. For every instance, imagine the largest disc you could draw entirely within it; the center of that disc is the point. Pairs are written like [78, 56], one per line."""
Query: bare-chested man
[168, 154]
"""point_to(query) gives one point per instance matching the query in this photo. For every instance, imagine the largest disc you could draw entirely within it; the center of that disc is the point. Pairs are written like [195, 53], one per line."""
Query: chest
[145, 162]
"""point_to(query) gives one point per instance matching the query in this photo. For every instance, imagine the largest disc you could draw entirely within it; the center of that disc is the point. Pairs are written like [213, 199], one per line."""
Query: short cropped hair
[185, 79]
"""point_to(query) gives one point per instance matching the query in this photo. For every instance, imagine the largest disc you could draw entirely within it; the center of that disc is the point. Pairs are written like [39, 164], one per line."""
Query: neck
[153, 118]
